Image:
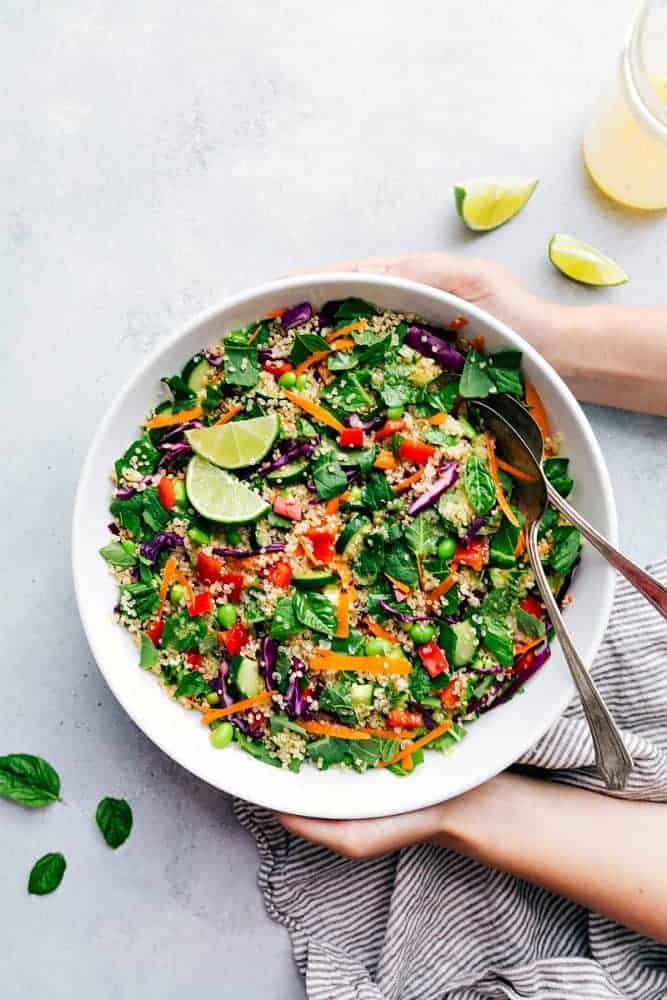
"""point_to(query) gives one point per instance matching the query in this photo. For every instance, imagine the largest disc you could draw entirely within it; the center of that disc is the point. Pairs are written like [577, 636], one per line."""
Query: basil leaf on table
[479, 485]
[28, 780]
[114, 818]
[47, 874]
[315, 612]
[475, 380]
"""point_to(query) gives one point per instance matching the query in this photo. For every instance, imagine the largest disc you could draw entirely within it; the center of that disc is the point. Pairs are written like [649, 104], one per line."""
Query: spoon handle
[643, 582]
[612, 760]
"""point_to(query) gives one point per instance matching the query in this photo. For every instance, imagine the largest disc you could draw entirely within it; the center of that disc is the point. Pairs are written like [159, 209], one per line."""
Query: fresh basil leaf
[305, 429]
[548, 522]
[400, 563]
[530, 625]
[362, 458]
[140, 456]
[503, 544]
[329, 478]
[191, 685]
[306, 344]
[437, 398]
[377, 492]
[498, 604]
[336, 698]
[148, 654]
[241, 365]
[566, 542]
[505, 370]
[28, 780]
[367, 753]
[183, 396]
[316, 612]
[353, 309]
[498, 639]
[419, 681]
[397, 390]
[421, 535]
[375, 352]
[342, 361]
[556, 471]
[479, 485]
[475, 380]
[368, 564]
[347, 394]
[329, 750]
[436, 436]
[117, 555]
[114, 818]
[285, 622]
[128, 513]
[46, 874]
[182, 632]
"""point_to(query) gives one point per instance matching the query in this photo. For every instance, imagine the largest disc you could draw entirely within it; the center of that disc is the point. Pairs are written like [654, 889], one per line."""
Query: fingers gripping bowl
[494, 741]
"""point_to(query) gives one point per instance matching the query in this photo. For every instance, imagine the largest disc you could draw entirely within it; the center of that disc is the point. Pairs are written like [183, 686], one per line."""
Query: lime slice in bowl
[220, 497]
[582, 262]
[487, 202]
[236, 444]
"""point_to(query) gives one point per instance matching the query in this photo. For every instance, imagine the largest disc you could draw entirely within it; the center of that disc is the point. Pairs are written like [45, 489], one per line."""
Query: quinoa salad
[316, 545]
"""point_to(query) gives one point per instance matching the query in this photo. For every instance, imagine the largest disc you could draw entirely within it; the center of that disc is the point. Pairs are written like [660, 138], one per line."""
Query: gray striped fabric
[427, 924]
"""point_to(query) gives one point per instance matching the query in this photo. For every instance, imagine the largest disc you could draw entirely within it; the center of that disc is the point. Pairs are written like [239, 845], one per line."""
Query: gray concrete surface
[156, 156]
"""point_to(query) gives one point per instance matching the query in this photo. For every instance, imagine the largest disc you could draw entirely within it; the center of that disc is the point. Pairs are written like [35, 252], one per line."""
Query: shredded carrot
[520, 544]
[385, 460]
[344, 344]
[168, 419]
[315, 410]
[522, 648]
[238, 706]
[343, 572]
[343, 615]
[275, 313]
[388, 734]
[500, 494]
[226, 417]
[418, 744]
[420, 572]
[380, 632]
[436, 419]
[326, 659]
[350, 328]
[255, 333]
[324, 373]
[408, 763]
[307, 550]
[513, 471]
[479, 343]
[335, 502]
[405, 484]
[538, 413]
[398, 584]
[333, 729]
[312, 359]
[168, 576]
[443, 587]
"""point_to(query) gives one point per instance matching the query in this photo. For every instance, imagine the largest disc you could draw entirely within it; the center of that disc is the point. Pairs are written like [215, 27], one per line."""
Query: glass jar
[625, 145]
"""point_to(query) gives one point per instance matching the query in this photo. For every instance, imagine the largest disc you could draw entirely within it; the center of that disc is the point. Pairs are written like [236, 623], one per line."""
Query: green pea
[198, 536]
[421, 632]
[395, 412]
[374, 647]
[302, 381]
[287, 380]
[176, 593]
[227, 615]
[222, 735]
[213, 698]
[179, 491]
[446, 547]
[233, 536]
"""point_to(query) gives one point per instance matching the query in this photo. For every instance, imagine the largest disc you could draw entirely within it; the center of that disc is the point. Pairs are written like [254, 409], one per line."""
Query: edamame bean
[222, 735]
[227, 615]
[421, 632]
[177, 593]
[198, 536]
[395, 412]
[446, 547]
[213, 698]
[302, 381]
[287, 380]
[374, 647]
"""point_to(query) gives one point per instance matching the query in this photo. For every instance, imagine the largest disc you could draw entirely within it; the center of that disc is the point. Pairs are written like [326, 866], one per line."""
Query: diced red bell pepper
[155, 630]
[234, 638]
[390, 427]
[475, 554]
[433, 658]
[451, 696]
[202, 605]
[323, 545]
[233, 584]
[400, 719]
[290, 509]
[532, 606]
[193, 660]
[280, 574]
[277, 368]
[351, 437]
[166, 492]
[415, 452]
[209, 568]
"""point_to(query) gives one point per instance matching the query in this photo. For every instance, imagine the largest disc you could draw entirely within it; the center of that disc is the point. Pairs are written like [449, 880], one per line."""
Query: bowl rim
[532, 733]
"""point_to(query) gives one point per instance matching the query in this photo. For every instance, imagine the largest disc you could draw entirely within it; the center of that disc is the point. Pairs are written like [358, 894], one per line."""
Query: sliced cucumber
[245, 675]
[314, 579]
[362, 694]
[465, 643]
[196, 374]
[351, 537]
[288, 473]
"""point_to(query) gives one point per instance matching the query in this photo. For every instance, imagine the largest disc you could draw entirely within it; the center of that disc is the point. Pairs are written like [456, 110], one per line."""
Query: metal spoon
[520, 419]
[612, 760]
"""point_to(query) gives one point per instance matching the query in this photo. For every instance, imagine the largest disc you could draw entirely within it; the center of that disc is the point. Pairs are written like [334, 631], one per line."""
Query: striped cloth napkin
[423, 924]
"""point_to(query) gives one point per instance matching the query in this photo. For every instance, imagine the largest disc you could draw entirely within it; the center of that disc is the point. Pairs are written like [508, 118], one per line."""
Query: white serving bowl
[492, 743]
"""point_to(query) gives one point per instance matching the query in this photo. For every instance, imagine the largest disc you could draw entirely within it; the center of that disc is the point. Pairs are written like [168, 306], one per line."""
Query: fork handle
[612, 760]
[643, 582]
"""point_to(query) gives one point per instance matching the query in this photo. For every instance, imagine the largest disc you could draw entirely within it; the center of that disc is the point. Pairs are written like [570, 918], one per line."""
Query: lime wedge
[236, 444]
[220, 497]
[584, 263]
[487, 202]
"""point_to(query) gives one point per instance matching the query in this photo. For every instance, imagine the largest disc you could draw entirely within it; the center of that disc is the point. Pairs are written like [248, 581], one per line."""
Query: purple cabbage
[297, 315]
[125, 494]
[475, 529]
[265, 354]
[524, 667]
[177, 432]
[113, 528]
[172, 454]
[422, 340]
[448, 476]
[327, 314]
[295, 700]
[246, 553]
[427, 716]
[288, 450]
[268, 657]
[217, 360]
[220, 686]
[401, 616]
[354, 420]
[565, 585]
[162, 540]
